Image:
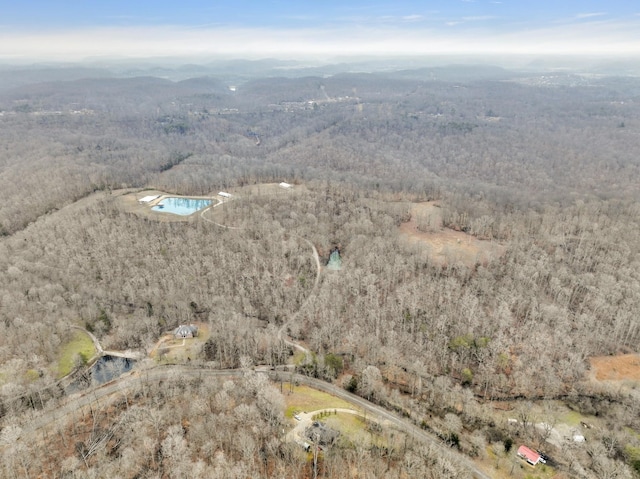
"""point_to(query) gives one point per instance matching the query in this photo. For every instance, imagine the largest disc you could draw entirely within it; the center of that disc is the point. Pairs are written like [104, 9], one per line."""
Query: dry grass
[263, 189]
[616, 368]
[443, 245]
[509, 466]
[304, 398]
[231, 214]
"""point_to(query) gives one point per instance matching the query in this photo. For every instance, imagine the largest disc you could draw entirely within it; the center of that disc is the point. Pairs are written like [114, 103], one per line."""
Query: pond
[110, 367]
[103, 370]
[181, 206]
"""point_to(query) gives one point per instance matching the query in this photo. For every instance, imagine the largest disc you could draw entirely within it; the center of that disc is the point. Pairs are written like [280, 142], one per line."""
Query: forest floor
[444, 245]
[625, 367]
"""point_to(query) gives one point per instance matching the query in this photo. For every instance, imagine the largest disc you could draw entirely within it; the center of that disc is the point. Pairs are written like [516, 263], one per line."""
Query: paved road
[401, 423]
[122, 385]
[128, 382]
[140, 377]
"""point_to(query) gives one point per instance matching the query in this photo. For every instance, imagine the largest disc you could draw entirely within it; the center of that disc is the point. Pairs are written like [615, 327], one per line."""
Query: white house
[224, 194]
[284, 185]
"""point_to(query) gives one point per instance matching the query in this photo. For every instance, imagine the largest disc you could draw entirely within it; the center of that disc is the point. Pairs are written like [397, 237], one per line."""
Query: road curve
[401, 423]
[159, 373]
[138, 378]
[316, 282]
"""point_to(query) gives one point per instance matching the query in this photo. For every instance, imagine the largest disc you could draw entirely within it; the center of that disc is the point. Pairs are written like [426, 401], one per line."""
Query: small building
[529, 455]
[224, 194]
[148, 199]
[186, 331]
[286, 186]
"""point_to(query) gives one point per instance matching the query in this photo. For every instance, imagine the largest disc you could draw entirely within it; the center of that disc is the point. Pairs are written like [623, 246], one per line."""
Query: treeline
[229, 428]
[509, 142]
[550, 173]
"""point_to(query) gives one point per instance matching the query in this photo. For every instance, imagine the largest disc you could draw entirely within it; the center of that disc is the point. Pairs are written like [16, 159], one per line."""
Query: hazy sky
[72, 30]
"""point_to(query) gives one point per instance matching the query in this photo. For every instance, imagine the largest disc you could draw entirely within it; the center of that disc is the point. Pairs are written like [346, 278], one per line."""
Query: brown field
[625, 367]
[443, 245]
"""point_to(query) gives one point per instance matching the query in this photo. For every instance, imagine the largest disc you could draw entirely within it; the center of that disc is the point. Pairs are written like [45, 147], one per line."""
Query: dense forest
[543, 169]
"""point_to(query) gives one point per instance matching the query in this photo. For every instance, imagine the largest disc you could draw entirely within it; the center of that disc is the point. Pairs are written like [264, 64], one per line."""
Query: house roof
[184, 330]
[321, 433]
[530, 455]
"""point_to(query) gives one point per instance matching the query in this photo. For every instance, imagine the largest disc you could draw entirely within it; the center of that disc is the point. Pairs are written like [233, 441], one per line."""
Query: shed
[186, 331]
[529, 455]
[284, 185]
[224, 194]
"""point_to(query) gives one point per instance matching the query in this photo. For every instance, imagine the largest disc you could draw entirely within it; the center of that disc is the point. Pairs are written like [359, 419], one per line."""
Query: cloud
[611, 38]
[412, 18]
[364, 20]
[581, 16]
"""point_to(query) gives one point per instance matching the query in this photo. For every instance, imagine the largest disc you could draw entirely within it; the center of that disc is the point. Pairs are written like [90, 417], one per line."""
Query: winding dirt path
[138, 378]
[306, 418]
[316, 282]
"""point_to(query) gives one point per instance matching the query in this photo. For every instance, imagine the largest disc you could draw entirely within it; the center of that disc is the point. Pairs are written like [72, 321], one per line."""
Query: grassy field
[355, 429]
[572, 418]
[304, 398]
[80, 344]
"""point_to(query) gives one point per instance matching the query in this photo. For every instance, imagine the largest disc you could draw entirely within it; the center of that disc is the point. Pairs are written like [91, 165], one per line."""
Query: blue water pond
[181, 206]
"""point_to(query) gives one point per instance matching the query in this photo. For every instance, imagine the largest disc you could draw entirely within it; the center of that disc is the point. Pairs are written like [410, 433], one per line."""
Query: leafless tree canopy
[548, 172]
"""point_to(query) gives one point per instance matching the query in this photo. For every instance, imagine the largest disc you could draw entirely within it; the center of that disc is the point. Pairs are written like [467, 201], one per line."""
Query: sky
[71, 30]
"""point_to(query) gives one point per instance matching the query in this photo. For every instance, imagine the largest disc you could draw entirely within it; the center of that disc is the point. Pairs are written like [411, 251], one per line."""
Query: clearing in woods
[304, 398]
[79, 346]
[171, 349]
[625, 367]
[443, 245]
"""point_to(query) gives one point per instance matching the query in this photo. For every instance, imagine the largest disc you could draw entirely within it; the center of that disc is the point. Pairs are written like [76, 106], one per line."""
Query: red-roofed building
[529, 455]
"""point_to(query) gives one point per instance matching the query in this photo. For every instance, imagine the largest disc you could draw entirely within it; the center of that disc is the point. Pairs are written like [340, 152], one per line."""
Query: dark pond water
[110, 367]
[103, 370]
